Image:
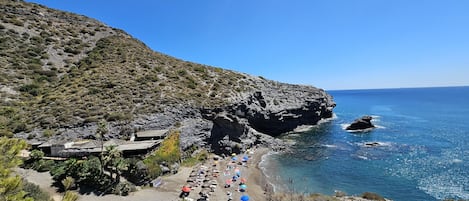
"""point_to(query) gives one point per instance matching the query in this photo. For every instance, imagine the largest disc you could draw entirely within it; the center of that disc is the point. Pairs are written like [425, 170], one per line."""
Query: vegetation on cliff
[59, 69]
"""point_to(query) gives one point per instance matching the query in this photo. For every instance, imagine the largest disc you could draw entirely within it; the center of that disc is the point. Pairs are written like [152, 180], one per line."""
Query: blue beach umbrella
[245, 198]
[245, 158]
[243, 186]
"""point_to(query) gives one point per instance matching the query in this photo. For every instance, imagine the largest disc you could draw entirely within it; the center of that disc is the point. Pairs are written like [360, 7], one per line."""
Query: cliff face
[61, 73]
[275, 109]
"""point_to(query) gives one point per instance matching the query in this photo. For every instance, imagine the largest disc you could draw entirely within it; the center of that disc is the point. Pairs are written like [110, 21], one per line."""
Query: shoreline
[260, 186]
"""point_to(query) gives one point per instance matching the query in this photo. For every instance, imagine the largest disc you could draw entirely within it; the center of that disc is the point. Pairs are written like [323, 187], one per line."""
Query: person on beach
[185, 191]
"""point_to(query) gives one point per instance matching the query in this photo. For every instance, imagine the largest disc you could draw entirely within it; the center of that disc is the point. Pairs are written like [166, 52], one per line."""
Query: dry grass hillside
[59, 69]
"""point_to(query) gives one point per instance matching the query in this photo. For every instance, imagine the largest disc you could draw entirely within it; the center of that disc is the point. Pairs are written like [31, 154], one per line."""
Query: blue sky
[331, 44]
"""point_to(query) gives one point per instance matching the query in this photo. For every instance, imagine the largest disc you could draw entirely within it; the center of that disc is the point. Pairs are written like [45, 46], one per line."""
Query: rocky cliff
[61, 73]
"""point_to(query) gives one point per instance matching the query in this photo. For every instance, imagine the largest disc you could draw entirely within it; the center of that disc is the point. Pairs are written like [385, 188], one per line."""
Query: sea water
[423, 151]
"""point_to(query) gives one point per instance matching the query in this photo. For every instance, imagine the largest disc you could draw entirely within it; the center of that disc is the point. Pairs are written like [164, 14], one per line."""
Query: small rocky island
[361, 124]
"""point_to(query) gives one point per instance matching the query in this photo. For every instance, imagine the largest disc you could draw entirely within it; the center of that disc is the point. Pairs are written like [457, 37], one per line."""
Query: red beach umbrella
[186, 189]
[228, 181]
[243, 180]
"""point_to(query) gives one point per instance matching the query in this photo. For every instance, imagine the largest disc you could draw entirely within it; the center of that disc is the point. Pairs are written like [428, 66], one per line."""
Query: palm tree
[100, 132]
[114, 161]
[120, 165]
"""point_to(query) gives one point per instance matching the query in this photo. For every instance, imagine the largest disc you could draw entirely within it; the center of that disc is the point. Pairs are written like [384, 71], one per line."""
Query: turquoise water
[423, 155]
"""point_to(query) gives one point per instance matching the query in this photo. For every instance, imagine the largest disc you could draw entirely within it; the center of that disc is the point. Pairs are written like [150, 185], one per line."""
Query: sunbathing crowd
[207, 179]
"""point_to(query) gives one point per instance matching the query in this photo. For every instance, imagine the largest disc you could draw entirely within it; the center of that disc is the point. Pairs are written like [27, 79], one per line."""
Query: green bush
[35, 192]
[4, 132]
[153, 169]
[48, 133]
[70, 196]
[123, 188]
[168, 152]
[36, 155]
[71, 50]
[43, 165]
[33, 89]
[18, 126]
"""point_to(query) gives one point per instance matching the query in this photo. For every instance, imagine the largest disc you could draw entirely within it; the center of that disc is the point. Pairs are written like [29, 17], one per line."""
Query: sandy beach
[170, 188]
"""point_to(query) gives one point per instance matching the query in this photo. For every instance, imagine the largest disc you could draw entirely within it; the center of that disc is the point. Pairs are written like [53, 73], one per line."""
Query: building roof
[152, 133]
[34, 142]
[51, 142]
[138, 145]
[94, 146]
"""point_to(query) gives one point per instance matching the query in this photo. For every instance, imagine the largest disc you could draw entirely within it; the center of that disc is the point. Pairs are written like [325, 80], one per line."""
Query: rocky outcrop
[363, 123]
[274, 109]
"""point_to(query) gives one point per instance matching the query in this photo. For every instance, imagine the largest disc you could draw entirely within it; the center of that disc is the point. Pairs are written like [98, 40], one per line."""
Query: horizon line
[424, 87]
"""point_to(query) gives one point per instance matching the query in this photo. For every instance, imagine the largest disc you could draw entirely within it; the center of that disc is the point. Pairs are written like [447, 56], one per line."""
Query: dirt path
[42, 179]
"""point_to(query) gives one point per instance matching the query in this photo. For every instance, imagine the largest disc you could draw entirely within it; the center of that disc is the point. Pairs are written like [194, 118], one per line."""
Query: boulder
[362, 123]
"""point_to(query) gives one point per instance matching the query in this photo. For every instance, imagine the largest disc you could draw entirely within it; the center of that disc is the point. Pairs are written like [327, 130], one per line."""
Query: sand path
[42, 179]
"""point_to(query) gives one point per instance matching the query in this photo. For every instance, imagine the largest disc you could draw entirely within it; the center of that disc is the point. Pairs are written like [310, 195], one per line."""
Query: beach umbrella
[245, 158]
[245, 198]
[243, 180]
[237, 172]
[186, 189]
[243, 186]
[228, 181]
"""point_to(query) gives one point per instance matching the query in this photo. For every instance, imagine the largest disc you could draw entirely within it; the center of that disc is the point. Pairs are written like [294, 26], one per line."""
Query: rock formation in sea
[362, 123]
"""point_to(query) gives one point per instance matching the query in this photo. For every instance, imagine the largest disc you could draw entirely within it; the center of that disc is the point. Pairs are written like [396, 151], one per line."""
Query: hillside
[61, 73]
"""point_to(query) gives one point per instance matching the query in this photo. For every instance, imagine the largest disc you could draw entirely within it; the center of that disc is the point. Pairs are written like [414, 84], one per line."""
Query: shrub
[123, 189]
[169, 149]
[36, 155]
[18, 126]
[70, 196]
[43, 165]
[168, 152]
[35, 192]
[182, 72]
[48, 133]
[5, 133]
[33, 89]
[68, 183]
[153, 169]
[71, 50]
